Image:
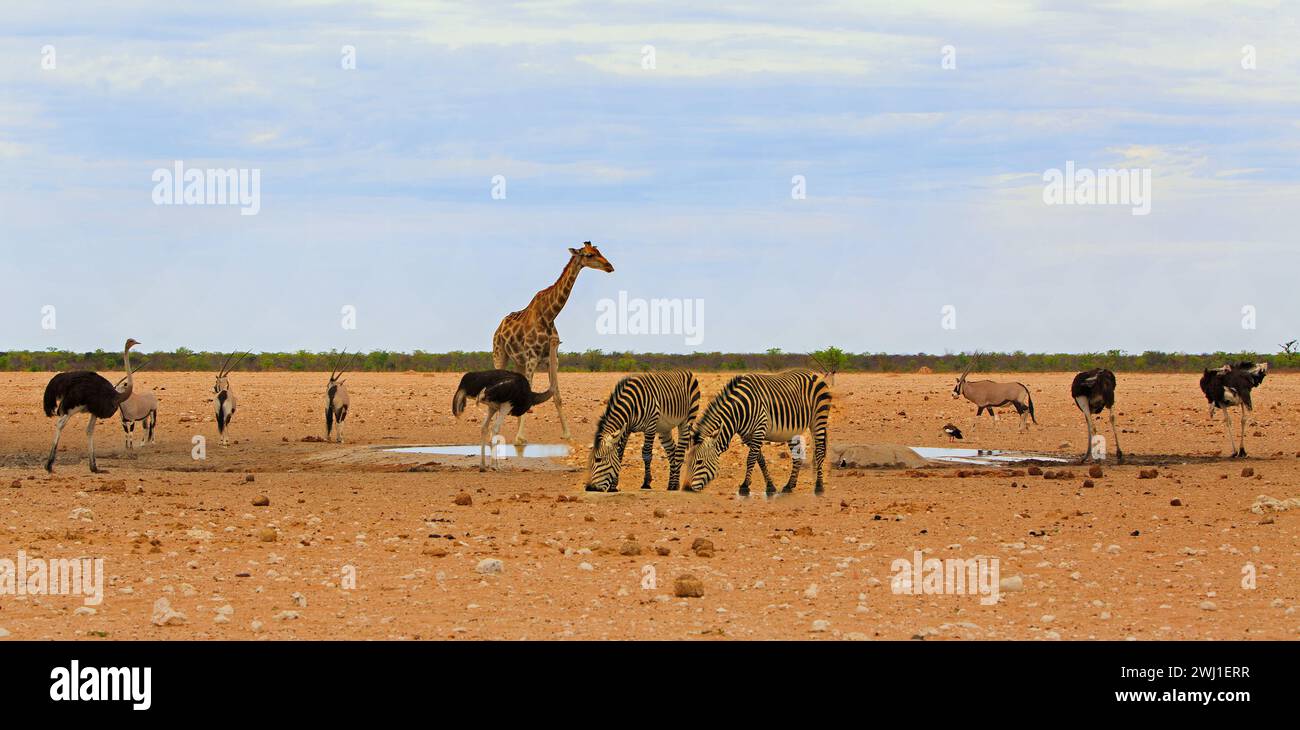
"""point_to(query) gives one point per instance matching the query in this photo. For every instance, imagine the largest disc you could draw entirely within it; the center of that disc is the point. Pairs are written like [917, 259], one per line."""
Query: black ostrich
[502, 390]
[1229, 386]
[1094, 391]
[82, 391]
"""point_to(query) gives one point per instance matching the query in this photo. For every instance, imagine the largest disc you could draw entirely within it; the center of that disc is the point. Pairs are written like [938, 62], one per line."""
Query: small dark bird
[1228, 386]
[1094, 391]
[81, 391]
[503, 391]
[953, 432]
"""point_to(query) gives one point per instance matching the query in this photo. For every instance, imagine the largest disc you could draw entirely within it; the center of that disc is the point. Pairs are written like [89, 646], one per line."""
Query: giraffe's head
[590, 257]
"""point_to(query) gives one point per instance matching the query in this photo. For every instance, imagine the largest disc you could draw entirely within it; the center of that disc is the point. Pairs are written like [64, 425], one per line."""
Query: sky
[869, 175]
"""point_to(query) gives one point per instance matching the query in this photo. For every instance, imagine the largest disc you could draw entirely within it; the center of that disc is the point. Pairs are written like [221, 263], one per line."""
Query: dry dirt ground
[1116, 560]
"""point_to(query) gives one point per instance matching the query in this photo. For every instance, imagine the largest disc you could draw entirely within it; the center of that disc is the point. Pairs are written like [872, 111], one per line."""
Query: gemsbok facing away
[1094, 391]
[225, 397]
[336, 398]
[988, 395]
[1229, 386]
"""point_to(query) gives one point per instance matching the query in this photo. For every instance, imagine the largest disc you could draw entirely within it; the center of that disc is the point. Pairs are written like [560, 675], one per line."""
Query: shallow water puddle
[979, 456]
[502, 451]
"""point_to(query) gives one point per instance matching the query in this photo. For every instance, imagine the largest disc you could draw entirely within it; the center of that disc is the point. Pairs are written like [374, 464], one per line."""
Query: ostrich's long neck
[130, 379]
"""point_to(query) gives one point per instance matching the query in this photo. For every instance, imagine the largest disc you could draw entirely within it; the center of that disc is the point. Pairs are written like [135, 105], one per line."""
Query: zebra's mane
[609, 408]
[710, 421]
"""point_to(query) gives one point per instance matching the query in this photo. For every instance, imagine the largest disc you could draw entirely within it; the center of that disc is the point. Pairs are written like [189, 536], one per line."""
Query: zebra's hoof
[818, 491]
[1242, 453]
[742, 492]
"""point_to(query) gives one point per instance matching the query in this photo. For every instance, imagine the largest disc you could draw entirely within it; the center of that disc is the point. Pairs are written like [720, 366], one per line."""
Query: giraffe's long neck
[553, 299]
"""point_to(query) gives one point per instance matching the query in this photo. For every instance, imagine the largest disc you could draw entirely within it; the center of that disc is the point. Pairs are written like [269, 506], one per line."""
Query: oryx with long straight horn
[336, 397]
[140, 405]
[225, 397]
[988, 395]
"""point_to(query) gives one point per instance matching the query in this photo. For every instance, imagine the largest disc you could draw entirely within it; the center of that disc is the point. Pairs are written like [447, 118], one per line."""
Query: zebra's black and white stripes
[652, 404]
[757, 408]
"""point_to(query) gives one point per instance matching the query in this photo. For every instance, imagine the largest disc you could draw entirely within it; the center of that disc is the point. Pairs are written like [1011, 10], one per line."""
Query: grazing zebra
[652, 404]
[776, 408]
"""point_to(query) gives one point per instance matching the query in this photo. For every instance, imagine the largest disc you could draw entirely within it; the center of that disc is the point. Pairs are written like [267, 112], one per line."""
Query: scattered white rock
[1012, 584]
[821, 625]
[164, 615]
[1208, 606]
[490, 566]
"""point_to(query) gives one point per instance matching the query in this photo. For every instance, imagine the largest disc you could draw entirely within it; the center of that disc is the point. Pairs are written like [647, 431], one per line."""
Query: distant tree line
[830, 360]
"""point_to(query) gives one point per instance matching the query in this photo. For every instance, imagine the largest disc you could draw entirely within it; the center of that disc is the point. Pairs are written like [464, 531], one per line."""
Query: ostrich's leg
[1242, 441]
[496, 430]
[54, 447]
[483, 435]
[1119, 453]
[90, 444]
[1227, 425]
[530, 367]
[1082, 403]
[553, 368]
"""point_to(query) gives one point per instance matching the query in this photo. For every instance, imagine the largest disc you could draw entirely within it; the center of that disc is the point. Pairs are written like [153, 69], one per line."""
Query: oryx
[988, 395]
[336, 398]
[141, 405]
[225, 397]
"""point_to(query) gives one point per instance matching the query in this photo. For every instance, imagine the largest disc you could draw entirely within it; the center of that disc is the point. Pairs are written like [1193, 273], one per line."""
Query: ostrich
[953, 432]
[82, 391]
[1092, 391]
[502, 390]
[336, 398]
[1229, 386]
[225, 397]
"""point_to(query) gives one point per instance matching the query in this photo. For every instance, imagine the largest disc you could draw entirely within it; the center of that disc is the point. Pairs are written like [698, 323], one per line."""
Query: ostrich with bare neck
[82, 391]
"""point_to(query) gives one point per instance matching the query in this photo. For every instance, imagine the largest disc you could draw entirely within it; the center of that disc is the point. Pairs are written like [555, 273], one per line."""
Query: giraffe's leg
[54, 447]
[647, 453]
[90, 444]
[553, 368]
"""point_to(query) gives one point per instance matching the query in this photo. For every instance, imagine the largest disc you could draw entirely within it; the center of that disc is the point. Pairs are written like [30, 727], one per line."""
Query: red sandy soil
[1115, 560]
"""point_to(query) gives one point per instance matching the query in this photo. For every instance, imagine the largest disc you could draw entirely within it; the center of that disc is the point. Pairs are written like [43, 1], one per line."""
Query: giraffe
[528, 337]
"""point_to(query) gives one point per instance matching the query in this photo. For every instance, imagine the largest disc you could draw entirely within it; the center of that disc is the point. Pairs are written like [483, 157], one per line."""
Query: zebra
[653, 404]
[775, 408]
